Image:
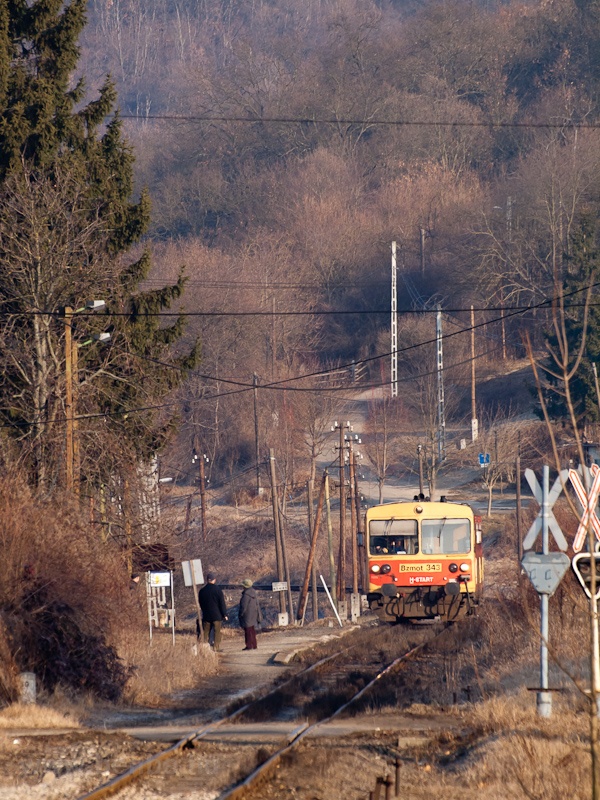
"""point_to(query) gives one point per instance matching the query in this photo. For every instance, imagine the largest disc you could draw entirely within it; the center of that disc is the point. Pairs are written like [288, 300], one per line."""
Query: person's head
[246, 583]
[135, 577]
[210, 577]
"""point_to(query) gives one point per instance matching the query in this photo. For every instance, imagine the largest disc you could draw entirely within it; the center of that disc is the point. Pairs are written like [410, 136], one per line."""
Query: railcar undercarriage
[397, 604]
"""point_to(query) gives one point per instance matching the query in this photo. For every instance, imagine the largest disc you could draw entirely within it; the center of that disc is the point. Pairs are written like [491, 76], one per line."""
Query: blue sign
[484, 459]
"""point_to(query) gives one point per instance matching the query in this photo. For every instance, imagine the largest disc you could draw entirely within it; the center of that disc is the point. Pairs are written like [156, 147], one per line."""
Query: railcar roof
[431, 510]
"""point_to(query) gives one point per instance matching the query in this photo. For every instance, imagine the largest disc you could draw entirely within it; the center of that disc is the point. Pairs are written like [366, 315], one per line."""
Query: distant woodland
[228, 178]
[448, 127]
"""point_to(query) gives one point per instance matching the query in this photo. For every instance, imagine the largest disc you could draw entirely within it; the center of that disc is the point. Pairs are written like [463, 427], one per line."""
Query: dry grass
[21, 715]
[161, 668]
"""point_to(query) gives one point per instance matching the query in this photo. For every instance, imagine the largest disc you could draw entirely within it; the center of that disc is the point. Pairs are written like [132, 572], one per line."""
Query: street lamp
[71, 370]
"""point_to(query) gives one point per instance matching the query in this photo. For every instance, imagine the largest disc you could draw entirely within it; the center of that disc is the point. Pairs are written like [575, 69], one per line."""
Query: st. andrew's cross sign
[553, 495]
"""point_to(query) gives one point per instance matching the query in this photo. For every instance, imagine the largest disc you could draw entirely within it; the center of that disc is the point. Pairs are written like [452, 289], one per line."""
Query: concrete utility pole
[474, 421]
[394, 325]
[353, 515]
[341, 576]
[314, 584]
[256, 447]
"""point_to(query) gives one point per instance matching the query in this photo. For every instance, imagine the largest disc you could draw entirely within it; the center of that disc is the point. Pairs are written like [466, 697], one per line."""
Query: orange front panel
[426, 572]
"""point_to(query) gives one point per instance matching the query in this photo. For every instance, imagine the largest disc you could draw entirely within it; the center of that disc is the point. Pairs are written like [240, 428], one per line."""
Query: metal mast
[440, 382]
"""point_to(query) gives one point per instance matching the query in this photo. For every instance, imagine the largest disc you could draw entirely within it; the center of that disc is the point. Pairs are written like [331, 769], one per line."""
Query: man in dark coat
[212, 605]
[249, 614]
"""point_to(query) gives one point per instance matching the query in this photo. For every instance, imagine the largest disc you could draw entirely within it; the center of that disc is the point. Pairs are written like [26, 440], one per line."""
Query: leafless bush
[63, 595]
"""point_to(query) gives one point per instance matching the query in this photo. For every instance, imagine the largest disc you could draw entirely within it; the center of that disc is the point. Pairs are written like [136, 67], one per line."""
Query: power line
[400, 123]
[314, 313]
[284, 384]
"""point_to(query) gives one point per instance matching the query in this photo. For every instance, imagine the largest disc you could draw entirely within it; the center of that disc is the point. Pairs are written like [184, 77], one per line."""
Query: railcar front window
[445, 536]
[393, 536]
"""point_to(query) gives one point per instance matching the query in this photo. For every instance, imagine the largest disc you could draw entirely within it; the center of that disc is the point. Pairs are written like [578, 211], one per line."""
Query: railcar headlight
[385, 569]
[453, 567]
[465, 567]
[375, 567]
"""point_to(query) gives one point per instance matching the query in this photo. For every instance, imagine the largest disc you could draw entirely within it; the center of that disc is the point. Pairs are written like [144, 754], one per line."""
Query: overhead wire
[284, 384]
[375, 121]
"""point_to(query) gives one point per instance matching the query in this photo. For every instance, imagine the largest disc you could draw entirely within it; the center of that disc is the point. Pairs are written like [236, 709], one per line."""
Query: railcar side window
[393, 536]
[447, 536]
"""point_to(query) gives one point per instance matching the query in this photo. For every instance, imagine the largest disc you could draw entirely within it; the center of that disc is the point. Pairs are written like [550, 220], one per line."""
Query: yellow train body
[424, 560]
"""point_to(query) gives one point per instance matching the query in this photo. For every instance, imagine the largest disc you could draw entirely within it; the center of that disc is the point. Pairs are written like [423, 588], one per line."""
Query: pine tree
[67, 221]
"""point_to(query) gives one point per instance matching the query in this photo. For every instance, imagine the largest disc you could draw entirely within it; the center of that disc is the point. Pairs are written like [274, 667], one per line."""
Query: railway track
[311, 698]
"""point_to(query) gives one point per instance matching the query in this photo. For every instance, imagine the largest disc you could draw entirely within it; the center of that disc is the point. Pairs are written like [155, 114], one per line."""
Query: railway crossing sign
[553, 525]
[582, 568]
[589, 503]
[545, 570]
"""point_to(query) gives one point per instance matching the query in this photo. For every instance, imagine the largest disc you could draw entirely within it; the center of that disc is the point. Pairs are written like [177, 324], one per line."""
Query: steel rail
[137, 770]
[264, 771]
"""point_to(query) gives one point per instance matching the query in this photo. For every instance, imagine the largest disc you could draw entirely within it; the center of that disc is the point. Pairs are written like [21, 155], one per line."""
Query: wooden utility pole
[74, 420]
[332, 581]
[276, 525]
[68, 316]
[314, 586]
[311, 552]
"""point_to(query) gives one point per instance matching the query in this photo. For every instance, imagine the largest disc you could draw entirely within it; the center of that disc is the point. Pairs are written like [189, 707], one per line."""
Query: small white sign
[192, 572]
[160, 579]
[281, 586]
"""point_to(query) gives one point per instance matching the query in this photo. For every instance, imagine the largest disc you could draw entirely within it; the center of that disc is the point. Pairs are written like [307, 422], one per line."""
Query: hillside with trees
[228, 179]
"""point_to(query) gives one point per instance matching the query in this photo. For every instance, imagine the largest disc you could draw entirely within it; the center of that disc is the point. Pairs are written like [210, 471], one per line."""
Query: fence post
[397, 777]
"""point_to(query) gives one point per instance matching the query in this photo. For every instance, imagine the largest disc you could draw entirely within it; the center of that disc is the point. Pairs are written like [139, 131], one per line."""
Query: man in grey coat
[249, 614]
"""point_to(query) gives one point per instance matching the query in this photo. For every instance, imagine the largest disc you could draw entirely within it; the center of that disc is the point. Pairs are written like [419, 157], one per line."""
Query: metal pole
[544, 698]
[440, 384]
[330, 598]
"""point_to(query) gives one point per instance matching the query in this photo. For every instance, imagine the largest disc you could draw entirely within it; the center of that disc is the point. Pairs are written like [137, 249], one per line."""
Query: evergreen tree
[583, 269]
[67, 221]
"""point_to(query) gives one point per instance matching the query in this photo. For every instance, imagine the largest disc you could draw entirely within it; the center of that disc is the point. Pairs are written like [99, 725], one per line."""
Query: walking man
[249, 614]
[212, 605]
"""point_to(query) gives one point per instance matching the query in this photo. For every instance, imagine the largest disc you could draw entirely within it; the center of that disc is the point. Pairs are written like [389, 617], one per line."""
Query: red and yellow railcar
[425, 560]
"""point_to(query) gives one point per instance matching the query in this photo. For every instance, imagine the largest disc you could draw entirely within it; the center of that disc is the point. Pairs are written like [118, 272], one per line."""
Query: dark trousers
[215, 626]
[250, 637]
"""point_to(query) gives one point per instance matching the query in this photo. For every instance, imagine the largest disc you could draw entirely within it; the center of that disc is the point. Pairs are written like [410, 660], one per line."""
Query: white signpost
[545, 569]
[159, 614]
